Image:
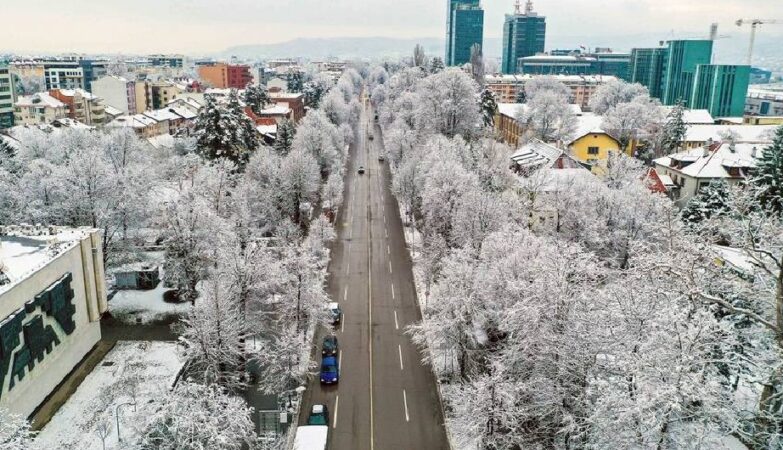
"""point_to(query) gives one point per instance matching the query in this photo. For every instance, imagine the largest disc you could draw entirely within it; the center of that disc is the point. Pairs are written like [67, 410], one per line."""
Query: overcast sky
[203, 26]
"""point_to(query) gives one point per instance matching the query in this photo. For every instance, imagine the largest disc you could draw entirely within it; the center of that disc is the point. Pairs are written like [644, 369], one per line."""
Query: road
[386, 398]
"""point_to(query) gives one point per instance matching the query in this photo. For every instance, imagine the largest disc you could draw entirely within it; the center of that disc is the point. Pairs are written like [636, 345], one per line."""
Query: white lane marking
[348, 268]
[393, 292]
[388, 250]
[399, 348]
[384, 218]
[369, 313]
[396, 324]
[336, 405]
[390, 267]
[405, 400]
[387, 234]
[345, 294]
[342, 324]
[340, 362]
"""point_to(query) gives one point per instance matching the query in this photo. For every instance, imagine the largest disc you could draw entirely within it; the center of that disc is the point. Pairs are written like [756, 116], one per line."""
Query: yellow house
[593, 147]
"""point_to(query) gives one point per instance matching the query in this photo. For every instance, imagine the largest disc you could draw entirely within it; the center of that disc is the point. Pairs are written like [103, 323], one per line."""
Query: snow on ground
[147, 306]
[144, 370]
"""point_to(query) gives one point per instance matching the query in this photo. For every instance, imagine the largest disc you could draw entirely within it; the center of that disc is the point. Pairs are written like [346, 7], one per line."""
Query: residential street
[386, 398]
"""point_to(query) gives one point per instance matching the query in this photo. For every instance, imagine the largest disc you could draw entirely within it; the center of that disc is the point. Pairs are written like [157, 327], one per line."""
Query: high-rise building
[524, 34]
[225, 76]
[720, 89]
[7, 97]
[464, 29]
[682, 59]
[646, 68]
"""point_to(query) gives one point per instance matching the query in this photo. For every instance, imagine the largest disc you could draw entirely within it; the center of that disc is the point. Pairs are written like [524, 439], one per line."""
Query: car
[361, 170]
[319, 415]
[330, 345]
[335, 312]
[330, 373]
[381, 158]
[371, 136]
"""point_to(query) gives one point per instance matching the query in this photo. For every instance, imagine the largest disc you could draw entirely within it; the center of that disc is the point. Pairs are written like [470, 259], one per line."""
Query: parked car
[330, 346]
[381, 158]
[319, 415]
[335, 312]
[361, 170]
[330, 373]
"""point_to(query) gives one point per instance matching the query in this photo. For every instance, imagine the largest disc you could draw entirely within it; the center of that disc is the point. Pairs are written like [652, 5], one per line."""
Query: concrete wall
[84, 261]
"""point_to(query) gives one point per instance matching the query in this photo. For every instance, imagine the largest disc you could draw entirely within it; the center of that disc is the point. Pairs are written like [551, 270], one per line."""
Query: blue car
[330, 373]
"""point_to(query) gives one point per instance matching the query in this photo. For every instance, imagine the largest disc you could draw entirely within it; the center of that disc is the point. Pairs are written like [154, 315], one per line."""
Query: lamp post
[117, 416]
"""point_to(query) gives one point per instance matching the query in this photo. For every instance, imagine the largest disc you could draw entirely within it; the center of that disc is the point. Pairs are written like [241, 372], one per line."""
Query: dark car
[381, 158]
[330, 346]
[330, 373]
[361, 170]
[319, 415]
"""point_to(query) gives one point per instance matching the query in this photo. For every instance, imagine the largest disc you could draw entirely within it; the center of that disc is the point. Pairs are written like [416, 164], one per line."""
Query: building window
[592, 150]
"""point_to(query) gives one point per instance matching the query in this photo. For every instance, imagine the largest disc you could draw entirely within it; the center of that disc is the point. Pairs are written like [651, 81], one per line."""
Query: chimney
[754, 152]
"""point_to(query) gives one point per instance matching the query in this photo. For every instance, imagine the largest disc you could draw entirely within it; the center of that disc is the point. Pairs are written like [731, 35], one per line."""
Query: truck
[313, 435]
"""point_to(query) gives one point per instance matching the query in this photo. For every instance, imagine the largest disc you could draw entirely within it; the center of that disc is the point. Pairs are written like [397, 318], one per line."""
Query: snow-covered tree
[315, 89]
[632, 121]
[284, 139]
[448, 103]
[712, 200]
[477, 64]
[769, 174]
[213, 333]
[300, 182]
[15, 432]
[437, 65]
[540, 85]
[198, 417]
[419, 57]
[319, 137]
[256, 97]
[612, 93]
[549, 116]
[674, 129]
[295, 81]
[489, 107]
[521, 96]
[225, 132]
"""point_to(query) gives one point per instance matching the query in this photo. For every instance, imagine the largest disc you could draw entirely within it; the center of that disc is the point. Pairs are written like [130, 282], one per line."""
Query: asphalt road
[386, 397]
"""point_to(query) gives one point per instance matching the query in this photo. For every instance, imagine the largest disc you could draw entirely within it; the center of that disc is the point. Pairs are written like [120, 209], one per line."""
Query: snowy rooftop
[135, 121]
[80, 92]
[39, 99]
[588, 123]
[277, 110]
[536, 153]
[512, 109]
[285, 95]
[162, 141]
[112, 111]
[593, 79]
[25, 249]
[716, 163]
[744, 133]
[267, 129]
[183, 112]
[161, 115]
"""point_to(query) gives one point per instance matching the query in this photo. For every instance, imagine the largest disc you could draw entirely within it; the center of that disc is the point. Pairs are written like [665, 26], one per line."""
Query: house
[38, 108]
[693, 169]
[539, 185]
[537, 154]
[295, 101]
[507, 125]
[590, 144]
[82, 105]
[143, 126]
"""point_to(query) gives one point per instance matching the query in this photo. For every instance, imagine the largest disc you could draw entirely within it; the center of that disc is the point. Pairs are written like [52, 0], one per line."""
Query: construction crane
[754, 23]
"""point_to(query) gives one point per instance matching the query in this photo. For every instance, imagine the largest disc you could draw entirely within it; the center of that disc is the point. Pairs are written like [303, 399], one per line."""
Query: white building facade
[52, 295]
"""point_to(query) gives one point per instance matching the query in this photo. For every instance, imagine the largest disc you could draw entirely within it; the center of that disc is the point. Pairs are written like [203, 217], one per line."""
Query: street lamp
[117, 416]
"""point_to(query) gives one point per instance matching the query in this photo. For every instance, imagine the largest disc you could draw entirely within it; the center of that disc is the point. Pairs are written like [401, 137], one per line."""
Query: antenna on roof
[529, 7]
[518, 7]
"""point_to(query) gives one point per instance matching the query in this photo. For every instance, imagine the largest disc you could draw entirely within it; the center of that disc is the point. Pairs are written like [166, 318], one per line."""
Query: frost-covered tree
[196, 417]
[213, 333]
[521, 96]
[419, 57]
[319, 137]
[769, 174]
[300, 182]
[315, 89]
[489, 107]
[674, 129]
[256, 97]
[15, 432]
[632, 121]
[549, 116]
[448, 103]
[612, 93]
[284, 139]
[540, 85]
[477, 64]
